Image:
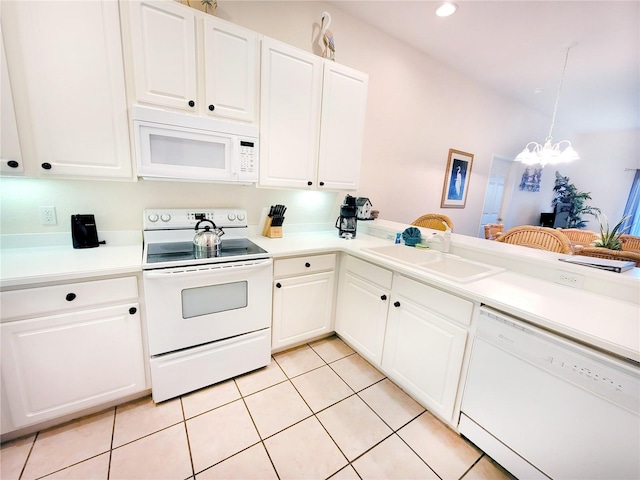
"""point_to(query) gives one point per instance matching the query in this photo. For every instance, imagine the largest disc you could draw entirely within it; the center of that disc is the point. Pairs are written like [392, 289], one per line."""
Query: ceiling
[519, 47]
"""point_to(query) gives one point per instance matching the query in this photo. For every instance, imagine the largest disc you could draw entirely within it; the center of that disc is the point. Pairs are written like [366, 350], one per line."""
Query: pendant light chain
[555, 108]
[534, 153]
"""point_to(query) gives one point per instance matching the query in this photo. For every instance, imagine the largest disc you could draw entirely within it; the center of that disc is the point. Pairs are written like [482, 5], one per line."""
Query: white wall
[417, 110]
[601, 170]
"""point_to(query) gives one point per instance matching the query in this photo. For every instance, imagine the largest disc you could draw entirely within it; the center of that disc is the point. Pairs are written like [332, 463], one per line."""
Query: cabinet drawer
[445, 304]
[35, 302]
[301, 265]
[370, 272]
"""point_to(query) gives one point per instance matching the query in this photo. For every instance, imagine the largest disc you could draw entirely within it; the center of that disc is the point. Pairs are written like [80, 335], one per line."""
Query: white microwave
[178, 146]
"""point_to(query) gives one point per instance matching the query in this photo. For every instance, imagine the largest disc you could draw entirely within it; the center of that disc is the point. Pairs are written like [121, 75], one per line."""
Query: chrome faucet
[444, 239]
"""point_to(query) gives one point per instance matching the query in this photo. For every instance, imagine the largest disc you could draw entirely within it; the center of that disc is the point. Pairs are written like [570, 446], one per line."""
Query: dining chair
[492, 230]
[600, 252]
[630, 243]
[435, 221]
[542, 238]
[579, 238]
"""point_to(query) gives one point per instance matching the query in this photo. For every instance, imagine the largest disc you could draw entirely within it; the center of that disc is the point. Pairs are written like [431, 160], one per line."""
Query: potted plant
[609, 238]
[567, 193]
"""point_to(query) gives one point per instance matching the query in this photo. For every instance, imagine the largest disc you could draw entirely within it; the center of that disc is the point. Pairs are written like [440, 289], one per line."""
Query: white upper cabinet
[231, 70]
[65, 63]
[344, 102]
[291, 82]
[10, 155]
[163, 36]
[187, 60]
[312, 115]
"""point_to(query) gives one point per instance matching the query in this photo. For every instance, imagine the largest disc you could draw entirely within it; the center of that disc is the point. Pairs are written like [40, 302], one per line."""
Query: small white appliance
[179, 146]
[545, 407]
[208, 318]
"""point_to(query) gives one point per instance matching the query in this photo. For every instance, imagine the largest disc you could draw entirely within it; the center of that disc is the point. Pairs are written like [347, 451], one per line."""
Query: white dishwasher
[543, 406]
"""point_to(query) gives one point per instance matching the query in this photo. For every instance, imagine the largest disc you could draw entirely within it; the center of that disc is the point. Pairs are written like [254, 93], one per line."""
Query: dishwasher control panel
[608, 377]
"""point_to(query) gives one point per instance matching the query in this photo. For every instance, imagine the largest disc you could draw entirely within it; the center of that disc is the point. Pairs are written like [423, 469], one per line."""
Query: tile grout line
[109, 450]
[393, 431]
[242, 397]
[186, 431]
[315, 414]
[113, 434]
[24, 466]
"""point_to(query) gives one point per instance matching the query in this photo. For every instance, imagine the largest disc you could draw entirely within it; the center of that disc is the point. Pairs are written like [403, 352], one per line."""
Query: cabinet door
[231, 70]
[302, 308]
[10, 155]
[362, 316]
[344, 101]
[61, 364]
[289, 116]
[423, 353]
[65, 63]
[163, 37]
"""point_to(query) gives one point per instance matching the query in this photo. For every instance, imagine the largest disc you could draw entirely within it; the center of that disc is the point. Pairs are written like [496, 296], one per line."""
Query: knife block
[271, 232]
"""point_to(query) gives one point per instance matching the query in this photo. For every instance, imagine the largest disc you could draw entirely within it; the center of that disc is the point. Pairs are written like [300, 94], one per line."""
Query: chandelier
[550, 152]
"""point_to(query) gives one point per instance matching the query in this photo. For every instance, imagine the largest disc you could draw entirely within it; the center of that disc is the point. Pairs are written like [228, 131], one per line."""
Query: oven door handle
[199, 270]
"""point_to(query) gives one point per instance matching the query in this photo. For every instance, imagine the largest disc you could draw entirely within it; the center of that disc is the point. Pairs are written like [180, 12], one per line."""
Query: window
[632, 224]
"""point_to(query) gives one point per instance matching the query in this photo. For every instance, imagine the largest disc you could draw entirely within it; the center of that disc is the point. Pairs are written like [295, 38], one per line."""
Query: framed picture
[456, 179]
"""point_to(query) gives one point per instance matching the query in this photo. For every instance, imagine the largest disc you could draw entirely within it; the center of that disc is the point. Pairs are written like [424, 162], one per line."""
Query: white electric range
[208, 319]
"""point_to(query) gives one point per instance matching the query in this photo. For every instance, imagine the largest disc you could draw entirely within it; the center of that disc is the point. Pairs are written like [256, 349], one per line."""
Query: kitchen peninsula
[603, 314]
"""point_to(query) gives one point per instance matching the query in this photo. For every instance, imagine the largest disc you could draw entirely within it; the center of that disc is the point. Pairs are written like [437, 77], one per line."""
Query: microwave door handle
[197, 270]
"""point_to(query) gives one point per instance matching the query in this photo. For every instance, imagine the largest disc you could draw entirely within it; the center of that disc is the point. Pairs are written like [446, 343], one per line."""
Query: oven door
[190, 306]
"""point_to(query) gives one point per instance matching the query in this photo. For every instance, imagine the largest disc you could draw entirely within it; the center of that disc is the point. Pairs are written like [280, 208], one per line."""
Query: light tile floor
[317, 411]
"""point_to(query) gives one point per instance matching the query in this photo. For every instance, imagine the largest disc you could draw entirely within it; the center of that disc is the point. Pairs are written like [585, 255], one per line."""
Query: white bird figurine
[327, 38]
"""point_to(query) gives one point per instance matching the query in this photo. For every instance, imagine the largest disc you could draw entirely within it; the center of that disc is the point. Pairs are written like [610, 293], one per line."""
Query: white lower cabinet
[302, 299]
[415, 333]
[425, 343]
[363, 303]
[72, 358]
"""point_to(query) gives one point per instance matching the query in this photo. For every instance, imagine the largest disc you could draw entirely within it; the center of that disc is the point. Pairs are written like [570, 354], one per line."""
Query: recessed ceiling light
[446, 9]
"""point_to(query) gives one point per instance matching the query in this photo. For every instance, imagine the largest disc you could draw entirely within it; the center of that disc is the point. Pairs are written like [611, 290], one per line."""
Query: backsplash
[119, 205]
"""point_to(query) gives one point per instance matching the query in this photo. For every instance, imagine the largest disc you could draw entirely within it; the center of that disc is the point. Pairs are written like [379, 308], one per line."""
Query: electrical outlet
[570, 279]
[48, 216]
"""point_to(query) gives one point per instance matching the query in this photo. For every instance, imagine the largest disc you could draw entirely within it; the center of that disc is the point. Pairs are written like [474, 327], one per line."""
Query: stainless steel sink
[449, 266]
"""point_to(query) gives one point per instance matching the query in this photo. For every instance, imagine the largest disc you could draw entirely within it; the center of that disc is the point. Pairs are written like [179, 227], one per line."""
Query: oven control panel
[180, 219]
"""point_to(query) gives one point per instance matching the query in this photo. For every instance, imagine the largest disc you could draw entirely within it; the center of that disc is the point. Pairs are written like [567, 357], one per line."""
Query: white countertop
[608, 323]
[23, 262]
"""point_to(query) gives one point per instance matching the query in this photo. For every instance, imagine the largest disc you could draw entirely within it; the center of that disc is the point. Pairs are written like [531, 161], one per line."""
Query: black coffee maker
[348, 219]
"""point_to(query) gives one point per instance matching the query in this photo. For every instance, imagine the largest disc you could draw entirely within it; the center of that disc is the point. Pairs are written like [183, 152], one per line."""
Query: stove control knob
[153, 217]
[165, 217]
[241, 217]
[231, 217]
